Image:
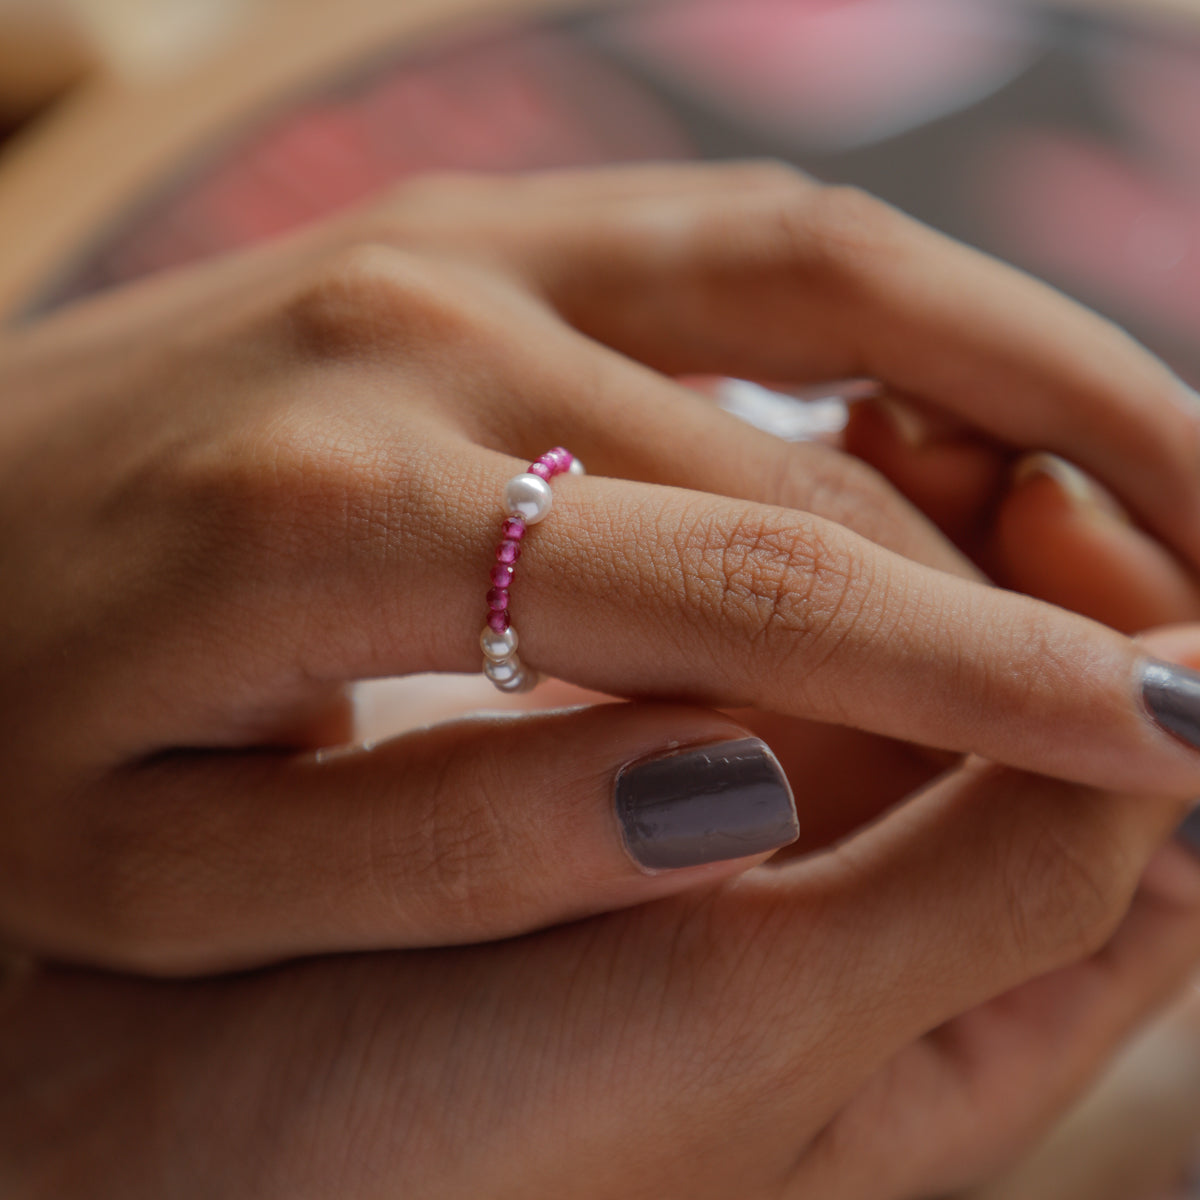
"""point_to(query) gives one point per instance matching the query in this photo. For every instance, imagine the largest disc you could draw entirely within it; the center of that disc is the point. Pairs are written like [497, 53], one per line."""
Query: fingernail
[1172, 696]
[1080, 489]
[705, 804]
[908, 426]
[1189, 831]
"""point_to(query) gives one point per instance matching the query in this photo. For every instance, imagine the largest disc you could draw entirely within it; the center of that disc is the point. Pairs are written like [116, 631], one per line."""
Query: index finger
[646, 591]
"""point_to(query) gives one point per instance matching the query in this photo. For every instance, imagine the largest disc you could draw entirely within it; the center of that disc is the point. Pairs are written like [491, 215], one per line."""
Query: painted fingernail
[1189, 831]
[1172, 696]
[1080, 489]
[705, 804]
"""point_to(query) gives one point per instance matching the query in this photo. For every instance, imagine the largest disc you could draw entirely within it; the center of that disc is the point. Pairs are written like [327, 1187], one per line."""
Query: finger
[846, 778]
[994, 1079]
[989, 880]
[1059, 535]
[954, 478]
[631, 422]
[819, 283]
[468, 831]
[633, 590]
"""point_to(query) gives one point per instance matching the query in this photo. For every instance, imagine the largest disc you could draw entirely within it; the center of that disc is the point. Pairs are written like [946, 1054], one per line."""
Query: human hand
[893, 1019]
[227, 493]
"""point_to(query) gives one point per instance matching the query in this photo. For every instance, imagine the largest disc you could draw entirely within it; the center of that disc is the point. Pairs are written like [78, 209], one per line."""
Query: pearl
[499, 645]
[523, 681]
[576, 468]
[528, 497]
[502, 670]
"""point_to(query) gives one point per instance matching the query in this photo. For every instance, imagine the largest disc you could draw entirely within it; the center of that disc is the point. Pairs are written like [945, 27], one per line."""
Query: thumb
[467, 831]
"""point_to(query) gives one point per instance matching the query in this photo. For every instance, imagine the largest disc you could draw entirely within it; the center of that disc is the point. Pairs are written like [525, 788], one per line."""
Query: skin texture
[224, 495]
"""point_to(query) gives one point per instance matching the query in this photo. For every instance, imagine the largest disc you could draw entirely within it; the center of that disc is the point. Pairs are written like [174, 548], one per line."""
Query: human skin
[227, 494]
[832, 1027]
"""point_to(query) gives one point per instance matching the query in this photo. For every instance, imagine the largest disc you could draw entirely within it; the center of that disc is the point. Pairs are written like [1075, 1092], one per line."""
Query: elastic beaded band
[527, 500]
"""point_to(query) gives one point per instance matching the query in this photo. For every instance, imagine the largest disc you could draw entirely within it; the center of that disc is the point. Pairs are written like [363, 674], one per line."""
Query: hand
[227, 493]
[890, 1020]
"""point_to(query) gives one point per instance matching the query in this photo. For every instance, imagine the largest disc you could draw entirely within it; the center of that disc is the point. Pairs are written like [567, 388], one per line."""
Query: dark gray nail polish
[1172, 694]
[705, 804]
[1189, 832]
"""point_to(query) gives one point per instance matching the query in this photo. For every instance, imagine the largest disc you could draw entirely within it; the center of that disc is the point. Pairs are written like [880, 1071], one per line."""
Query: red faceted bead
[543, 470]
[513, 528]
[508, 551]
[502, 575]
[497, 599]
[498, 620]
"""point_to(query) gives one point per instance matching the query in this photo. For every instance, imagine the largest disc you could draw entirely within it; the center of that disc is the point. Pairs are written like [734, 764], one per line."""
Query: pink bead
[513, 528]
[564, 456]
[502, 575]
[497, 599]
[508, 551]
[541, 469]
[498, 620]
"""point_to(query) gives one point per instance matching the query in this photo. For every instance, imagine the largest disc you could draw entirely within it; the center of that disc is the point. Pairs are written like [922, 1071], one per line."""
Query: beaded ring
[527, 500]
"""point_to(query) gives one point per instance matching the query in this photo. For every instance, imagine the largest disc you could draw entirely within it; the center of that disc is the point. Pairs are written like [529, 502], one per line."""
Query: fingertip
[952, 476]
[1061, 537]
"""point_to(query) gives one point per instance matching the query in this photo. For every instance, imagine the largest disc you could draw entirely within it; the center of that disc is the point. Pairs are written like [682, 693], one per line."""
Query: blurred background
[137, 135]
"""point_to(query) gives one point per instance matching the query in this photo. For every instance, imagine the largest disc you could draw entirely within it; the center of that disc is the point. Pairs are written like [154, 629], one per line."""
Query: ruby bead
[502, 575]
[562, 456]
[497, 599]
[541, 469]
[513, 528]
[498, 620]
[508, 551]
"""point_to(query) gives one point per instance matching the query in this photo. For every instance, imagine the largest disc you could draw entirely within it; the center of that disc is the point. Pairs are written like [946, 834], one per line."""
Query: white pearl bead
[524, 681]
[528, 497]
[498, 645]
[502, 671]
[576, 468]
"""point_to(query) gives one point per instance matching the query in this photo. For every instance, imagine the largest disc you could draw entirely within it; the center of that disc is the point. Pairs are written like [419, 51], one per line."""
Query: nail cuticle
[704, 804]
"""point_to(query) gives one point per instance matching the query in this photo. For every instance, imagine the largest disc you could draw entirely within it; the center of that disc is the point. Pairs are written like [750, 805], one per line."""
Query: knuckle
[837, 487]
[450, 864]
[286, 484]
[841, 231]
[122, 915]
[783, 588]
[766, 175]
[372, 301]
[1067, 888]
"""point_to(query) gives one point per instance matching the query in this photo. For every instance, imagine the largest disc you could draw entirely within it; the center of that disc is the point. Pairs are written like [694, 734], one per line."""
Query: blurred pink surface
[532, 101]
[1075, 211]
[836, 73]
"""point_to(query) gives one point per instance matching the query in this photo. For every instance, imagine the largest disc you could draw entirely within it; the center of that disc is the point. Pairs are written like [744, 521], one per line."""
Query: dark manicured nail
[1172, 694]
[705, 804]
[1189, 832]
